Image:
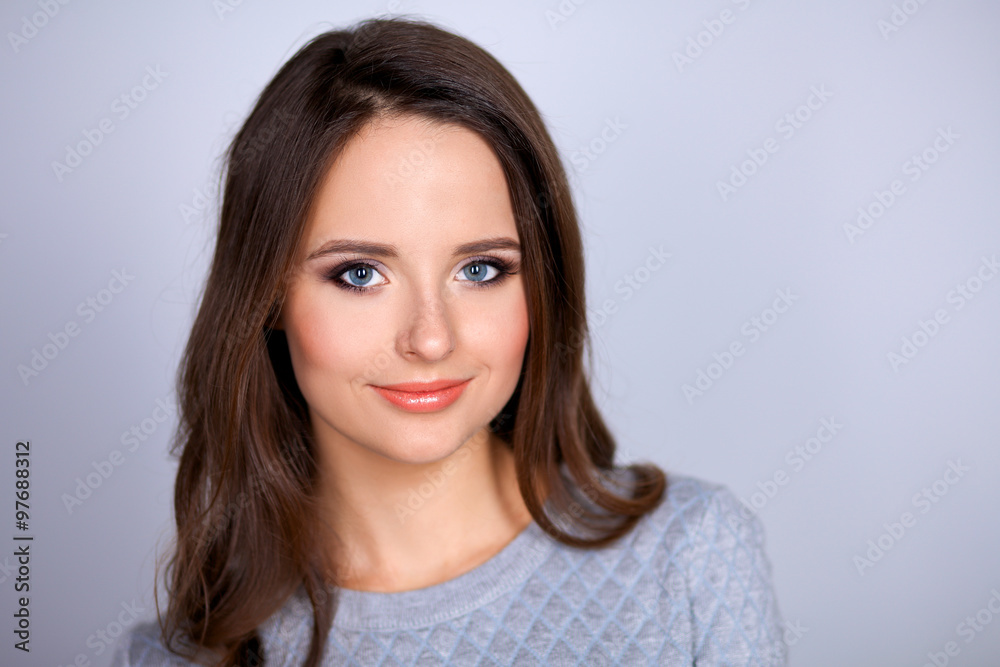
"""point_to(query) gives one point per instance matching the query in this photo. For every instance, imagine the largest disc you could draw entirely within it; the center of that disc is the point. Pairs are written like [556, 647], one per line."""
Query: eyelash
[503, 266]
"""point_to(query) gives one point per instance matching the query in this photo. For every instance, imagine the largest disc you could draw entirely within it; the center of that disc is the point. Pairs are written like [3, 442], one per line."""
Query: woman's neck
[403, 526]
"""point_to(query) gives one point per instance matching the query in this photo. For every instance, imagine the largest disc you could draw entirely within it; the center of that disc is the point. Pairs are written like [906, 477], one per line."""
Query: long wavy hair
[245, 498]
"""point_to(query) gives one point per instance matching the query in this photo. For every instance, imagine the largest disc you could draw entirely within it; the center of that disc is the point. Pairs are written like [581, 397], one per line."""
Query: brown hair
[245, 494]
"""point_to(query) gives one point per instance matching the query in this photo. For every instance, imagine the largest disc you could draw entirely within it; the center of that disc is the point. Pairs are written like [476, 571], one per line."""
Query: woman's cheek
[512, 325]
[314, 340]
[332, 344]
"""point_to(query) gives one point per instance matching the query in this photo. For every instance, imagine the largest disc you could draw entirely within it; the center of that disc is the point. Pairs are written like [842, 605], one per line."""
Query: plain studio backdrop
[792, 239]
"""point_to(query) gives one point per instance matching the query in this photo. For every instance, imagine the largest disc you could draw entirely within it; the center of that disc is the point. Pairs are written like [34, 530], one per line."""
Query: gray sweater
[689, 585]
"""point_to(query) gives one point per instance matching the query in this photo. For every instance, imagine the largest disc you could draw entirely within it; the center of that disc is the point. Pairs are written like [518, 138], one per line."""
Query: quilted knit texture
[689, 585]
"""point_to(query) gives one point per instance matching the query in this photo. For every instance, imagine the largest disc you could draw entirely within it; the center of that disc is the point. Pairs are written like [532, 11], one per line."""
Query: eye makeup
[504, 268]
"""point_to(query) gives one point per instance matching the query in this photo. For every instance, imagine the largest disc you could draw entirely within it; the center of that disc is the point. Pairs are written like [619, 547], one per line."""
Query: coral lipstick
[423, 396]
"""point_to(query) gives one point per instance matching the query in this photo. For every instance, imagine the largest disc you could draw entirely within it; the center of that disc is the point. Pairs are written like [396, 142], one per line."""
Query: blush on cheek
[516, 320]
[315, 339]
[509, 334]
[333, 345]
[494, 330]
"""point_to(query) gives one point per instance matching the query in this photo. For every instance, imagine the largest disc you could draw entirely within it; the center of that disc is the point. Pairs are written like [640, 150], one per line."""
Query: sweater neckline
[422, 607]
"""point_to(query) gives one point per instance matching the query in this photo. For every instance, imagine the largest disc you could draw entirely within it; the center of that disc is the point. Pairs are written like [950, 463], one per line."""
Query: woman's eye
[479, 272]
[361, 275]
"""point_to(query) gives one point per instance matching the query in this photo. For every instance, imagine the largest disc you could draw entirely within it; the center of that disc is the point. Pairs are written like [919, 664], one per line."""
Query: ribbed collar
[504, 571]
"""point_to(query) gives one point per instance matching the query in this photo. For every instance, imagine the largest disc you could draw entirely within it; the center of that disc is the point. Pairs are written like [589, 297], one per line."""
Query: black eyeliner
[504, 267]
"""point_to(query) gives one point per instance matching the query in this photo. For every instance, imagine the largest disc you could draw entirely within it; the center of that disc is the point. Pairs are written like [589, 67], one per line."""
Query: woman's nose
[428, 332]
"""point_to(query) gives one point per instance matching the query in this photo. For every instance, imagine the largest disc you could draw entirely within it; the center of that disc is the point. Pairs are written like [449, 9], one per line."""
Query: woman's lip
[423, 401]
[422, 386]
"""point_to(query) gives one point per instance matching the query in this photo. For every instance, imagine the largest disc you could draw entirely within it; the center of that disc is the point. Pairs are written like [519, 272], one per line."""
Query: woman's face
[404, 277]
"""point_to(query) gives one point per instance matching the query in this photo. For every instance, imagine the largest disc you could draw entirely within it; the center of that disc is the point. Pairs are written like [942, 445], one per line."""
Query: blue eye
[477, 271]
[358, 276]
[362, 272]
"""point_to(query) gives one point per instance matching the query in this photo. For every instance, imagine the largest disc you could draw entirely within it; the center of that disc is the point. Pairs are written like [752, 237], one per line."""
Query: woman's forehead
[406, 177]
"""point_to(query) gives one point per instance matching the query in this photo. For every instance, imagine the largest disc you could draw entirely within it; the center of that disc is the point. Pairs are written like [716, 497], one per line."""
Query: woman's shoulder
[695, 512]
[705, 550]
[696, 517]
[698, 505]
[142, 646]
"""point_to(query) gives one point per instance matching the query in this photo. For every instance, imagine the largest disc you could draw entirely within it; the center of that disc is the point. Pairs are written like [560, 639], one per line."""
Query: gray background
[673, 132]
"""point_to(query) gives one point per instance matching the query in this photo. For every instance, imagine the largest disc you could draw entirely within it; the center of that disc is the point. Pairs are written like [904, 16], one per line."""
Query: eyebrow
[389, 250]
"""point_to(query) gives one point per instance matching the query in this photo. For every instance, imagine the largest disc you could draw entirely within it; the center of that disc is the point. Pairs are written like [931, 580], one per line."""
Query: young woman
[389, 453]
